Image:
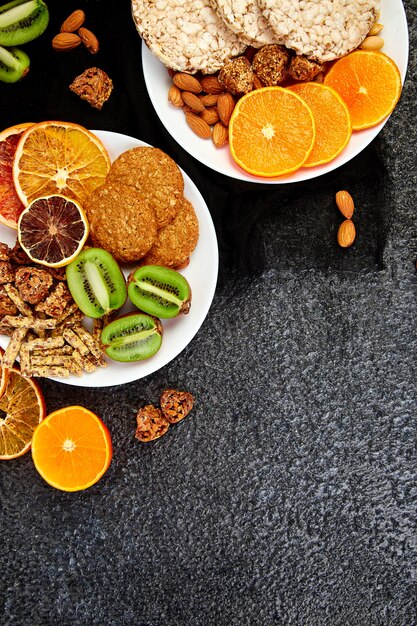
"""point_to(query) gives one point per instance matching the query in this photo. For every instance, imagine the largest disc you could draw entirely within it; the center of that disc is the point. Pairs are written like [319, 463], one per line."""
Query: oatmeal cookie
[186, 35]
[321, 29]
[155, 176]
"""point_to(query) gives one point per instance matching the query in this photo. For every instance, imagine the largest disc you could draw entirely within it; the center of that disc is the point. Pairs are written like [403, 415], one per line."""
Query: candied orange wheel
[71, 448]
[332, 119]
[370, 84]
[271, 132]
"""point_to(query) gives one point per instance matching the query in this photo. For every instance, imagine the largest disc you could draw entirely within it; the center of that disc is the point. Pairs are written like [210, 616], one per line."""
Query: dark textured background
[288, 496]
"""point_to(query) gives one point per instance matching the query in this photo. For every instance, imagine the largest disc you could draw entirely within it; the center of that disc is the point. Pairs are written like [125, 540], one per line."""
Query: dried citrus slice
[10, 204]
[22, 408]
[331, 115]
[59, 158]
[370, 84]
[71, 448]
[271, 132]
[52, 230]
[4, 374]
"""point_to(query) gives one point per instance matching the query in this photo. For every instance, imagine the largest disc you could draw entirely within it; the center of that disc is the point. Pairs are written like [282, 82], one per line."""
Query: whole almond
[225, 106]
[198, 125]
[210, 84]
[175, 97]
[186, 82]
[220, 135]
[372, 43]
[193, 101]
[63, 42]
[345, 203]
[375, 29]
[73, 21]
[89, 40]
[209, 99]
[210, 115]
[346, 234]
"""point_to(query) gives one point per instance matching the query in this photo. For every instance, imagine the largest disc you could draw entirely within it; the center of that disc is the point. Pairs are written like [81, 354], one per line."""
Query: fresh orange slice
[331, 115]
[271, 132]
[22, 408]
[10, 204]
[71, 448]
[52, 230]
[370, 84]
[59, 158]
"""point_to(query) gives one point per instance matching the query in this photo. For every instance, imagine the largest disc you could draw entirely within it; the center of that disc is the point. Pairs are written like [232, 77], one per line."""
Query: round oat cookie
[155, 176]
[120, 221]
[323, 30]
[175, 242]
[186, 35]
[246, 20]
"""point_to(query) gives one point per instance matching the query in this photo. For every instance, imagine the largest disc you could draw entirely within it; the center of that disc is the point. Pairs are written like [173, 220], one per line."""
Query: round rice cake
[155, 176]
[186, 35]
[121, 221]
[175, 242]
[321, 29]
[247, 21]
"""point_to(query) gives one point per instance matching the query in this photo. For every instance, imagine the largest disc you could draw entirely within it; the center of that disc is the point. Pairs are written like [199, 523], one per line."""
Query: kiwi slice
[21, 21]
[132, 337]
[159, 291]
[96, 282]
[14, 64]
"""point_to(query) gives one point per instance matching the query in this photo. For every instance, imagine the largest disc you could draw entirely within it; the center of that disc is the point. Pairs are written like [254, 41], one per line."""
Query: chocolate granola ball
[237, 76]
[270, 64]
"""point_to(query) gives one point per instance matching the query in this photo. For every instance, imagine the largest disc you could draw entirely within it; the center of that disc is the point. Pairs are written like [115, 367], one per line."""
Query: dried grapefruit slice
[331, 115]
[52, 230]
[22, 408]
[71, 448]
[271, 132]
[59, 158]
[10, 204]
[370, 84]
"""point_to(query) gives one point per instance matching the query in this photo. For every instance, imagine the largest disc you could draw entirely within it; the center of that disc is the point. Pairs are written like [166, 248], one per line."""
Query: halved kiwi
[21, 21]
[132, 337]
[14, 64]
[159, 291]
[96, 282]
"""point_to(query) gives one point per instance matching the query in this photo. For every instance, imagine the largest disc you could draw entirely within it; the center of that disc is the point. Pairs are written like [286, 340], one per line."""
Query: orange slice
[22, 408]
[370, 84]
[271, 132]
[52, 230]
[10, 204]
[331, 115]
[59, 158]
[71, 448]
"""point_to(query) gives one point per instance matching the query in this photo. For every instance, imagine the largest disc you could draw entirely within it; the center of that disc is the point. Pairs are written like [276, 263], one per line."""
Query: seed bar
[14, 296]
[75, 341]
[13, 347]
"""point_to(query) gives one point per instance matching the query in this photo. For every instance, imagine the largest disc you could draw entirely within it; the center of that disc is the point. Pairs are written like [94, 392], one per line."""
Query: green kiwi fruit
[132, 337]
[96, 282]
[21, 21]
[159, 291]
[14, 64]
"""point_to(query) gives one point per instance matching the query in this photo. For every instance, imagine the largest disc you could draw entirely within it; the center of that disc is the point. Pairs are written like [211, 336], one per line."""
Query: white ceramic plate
[157, 81]
[201, 273]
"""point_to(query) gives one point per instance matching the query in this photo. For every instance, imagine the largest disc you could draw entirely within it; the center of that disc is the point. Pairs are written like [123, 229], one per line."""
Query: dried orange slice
[10, 204]
[52, 230]
[22, 408]
[71, 448]
[331, 115]
[271, 132]
[59, 158]
[370, 84]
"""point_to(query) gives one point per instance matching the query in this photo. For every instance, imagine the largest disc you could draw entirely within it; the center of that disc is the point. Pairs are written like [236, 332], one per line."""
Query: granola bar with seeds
[54, 305]
[93, 345]
[7, 306]
[74, 341]
[14, 296]
[32, 284]
[45, 344]
[27, 322]
[55, 371]
[13, 347]
[6, 272]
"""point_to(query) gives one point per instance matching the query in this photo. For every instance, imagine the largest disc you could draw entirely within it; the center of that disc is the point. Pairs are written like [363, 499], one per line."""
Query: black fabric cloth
[288, 496]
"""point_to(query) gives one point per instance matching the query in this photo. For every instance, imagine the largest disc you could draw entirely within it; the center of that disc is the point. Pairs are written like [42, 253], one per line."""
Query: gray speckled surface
[288, 496]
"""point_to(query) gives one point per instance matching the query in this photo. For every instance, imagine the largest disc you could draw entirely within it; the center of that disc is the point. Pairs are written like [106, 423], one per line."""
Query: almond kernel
[89, 40]
[64, 42]
[175, 97]
[225, 106]
[186, 82]
[346, 234]
[198, 125]
[220, 135]
[345, 204]
[193, 101]
[73, 21]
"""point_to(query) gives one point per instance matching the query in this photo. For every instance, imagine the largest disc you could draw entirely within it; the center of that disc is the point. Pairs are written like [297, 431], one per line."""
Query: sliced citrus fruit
[271, 132]
[52, 230]
[59, 158]
[71, 448]
[332, 119]
[10, 203]
[22, 408]
[370, 84]
[4, 374]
